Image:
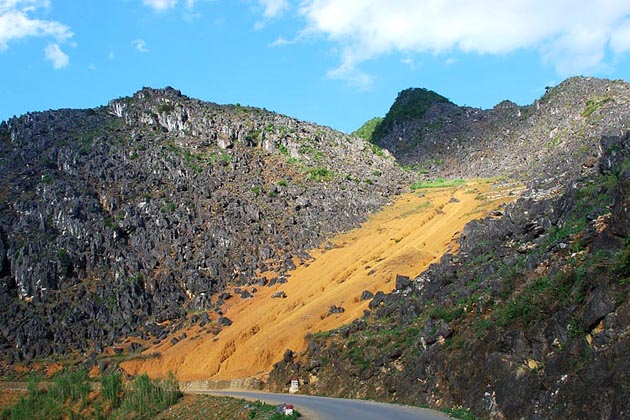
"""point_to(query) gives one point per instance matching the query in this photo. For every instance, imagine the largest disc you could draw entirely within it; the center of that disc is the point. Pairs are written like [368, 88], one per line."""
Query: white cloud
[352, 75]
[160, 5]
[58, 58]
[620, 39]
[140, 45]
[16, 22]
[163, 5]
[281, 41]
[450, 61]
[274, 8]
[572, 35]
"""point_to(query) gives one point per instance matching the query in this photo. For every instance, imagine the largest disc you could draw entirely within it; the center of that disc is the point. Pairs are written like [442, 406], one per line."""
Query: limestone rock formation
[116, 219]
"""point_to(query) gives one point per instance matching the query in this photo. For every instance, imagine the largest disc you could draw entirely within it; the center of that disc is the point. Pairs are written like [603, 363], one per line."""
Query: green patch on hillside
[410, 104]
[593, 104]
[437, 183]
[366, 131]
[73, 395]
[320, 174]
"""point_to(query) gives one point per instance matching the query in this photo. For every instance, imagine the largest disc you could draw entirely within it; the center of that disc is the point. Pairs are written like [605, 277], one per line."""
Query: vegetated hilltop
[531, 318]
[553, 137]
[118, 219]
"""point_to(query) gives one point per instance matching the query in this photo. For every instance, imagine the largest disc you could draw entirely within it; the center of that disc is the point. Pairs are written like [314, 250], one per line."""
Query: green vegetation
[253, 136]
[416, 167]
[260, 410]
[461, 413]
[198, 160]
[593, 105]
[366, 131]
[447, 314]
[437, 183]
[166, 108]
[68, 397]
[147, 397]
[377, 150]
[211, 407]
[320, 174]
[310, 151]
[283, 149]
[111, 389]
[410, 104]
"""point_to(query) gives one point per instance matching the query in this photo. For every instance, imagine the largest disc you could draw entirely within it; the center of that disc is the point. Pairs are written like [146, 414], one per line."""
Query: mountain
[530, 318]
[119, 220]
[164, 224]
[555, 136]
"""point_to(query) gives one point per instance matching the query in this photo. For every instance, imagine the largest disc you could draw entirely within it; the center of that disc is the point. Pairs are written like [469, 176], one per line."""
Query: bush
[71, 386]
[320, 174]
[67, 398]
[147, 397]
[111, 388]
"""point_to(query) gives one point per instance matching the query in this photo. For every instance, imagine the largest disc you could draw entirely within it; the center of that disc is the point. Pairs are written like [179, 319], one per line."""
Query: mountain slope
[530, 319]
[118, 219]
[328, 291]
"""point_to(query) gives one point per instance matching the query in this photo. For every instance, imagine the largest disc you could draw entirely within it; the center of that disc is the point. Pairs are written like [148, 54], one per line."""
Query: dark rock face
[529, 320]
[366, 295]
[113, 220]
[335, 310]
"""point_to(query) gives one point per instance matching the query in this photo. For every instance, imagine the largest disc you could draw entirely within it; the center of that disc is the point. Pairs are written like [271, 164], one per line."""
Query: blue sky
[334, 62]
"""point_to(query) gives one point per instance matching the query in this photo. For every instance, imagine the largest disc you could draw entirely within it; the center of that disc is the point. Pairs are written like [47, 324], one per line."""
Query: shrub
[111, 388]
[147, 397]
[437, 183]
[320, 174]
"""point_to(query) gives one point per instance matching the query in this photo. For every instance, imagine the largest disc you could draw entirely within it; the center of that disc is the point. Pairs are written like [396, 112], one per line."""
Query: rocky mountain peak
[410, 104]
[557, 135]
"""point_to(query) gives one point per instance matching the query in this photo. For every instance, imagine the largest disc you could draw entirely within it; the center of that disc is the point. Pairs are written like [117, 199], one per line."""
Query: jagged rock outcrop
[116, 219]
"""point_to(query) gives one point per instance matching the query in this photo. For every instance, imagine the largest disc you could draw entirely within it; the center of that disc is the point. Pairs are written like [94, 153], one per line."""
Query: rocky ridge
[557, 136]
[119, 220]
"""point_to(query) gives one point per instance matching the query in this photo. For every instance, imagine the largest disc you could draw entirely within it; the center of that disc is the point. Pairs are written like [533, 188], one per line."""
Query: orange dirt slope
[404, 238]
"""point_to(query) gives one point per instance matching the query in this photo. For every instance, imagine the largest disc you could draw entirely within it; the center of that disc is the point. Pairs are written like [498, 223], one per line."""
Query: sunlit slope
[404, 239]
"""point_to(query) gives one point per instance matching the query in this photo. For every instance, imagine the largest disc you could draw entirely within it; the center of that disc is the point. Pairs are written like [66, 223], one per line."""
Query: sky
[333, 62]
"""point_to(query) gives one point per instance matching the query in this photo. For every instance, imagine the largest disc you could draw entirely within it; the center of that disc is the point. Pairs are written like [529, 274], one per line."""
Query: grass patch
[69, 396]
[147, 397]
[367, 129]
[320, 174]
[461, 413]
[593, 105]
[377, 150]
[437, 183]
[447, 314]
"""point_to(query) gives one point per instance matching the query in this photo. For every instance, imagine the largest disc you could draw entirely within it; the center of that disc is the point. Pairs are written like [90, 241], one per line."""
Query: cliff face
[116, 219]
[530, 318]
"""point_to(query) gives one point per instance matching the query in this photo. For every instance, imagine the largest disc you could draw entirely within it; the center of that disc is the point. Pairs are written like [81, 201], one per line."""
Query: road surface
[323, 408]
